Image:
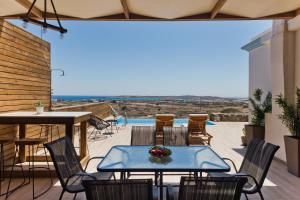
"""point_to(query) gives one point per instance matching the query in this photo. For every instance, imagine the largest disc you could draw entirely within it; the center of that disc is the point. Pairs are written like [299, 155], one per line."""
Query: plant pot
[292, 150]
[39, 110]
[254, 132]
[244, 140]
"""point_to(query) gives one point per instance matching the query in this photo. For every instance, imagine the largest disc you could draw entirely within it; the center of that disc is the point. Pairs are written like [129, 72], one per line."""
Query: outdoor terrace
[278, 185]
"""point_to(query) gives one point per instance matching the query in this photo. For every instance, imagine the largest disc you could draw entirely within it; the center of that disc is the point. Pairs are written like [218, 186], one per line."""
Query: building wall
[24, 76]
[285, 75]
[260, 69]
[271, 67]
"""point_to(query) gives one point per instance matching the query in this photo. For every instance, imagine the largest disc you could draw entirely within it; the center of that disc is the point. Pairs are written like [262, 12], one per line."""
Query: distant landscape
[219, 108]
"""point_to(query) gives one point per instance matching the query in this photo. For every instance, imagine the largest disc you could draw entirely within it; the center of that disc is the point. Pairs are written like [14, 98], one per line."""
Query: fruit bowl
[159, 151]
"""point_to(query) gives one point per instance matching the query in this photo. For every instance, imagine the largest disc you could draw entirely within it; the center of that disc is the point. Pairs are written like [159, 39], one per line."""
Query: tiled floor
[279, 185]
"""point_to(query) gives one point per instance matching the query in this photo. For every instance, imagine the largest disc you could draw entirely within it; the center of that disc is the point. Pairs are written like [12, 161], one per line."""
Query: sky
[151, 58]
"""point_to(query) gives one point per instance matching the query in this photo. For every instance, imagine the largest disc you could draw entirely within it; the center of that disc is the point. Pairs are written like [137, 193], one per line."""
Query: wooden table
[65, 118]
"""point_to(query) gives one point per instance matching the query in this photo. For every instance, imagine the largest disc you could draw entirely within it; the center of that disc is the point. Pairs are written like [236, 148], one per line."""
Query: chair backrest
[64, 158]
[197, 123]
[97, 122]
[258, 159]
[220, 188]
[142, 135]
[175, 136]
[140, 189]
[163, 120]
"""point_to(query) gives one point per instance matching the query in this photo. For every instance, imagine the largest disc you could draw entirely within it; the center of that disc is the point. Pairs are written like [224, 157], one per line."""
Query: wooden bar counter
[64, 118]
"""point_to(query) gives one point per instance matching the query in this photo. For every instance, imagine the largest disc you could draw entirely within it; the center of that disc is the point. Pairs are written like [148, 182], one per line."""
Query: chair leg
[61, 194]
[260, 194]
[40, 136]
[75, 196]
[48, 166]
[10, 176]
[57, 127]
[91, 133]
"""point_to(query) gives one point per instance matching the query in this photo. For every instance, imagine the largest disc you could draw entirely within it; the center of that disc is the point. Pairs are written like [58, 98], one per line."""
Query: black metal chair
[216, 188]
[255, 166]
[175, 136]
[143, 135]
[139, 189]
[68, 168]
[99, 125]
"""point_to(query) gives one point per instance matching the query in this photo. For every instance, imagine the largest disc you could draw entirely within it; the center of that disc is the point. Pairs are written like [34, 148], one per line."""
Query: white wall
[260, 69]
[297, 59]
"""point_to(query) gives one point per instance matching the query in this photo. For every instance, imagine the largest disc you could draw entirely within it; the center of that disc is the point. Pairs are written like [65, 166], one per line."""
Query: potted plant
[39, 107]
[290, 117]
[243, 138]
[256, 129]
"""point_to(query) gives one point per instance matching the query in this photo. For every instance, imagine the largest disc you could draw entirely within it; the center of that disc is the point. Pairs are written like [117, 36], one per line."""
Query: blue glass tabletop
[183, 159]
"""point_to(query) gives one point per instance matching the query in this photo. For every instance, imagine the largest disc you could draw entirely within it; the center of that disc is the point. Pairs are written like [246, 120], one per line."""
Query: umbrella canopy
[155, 9]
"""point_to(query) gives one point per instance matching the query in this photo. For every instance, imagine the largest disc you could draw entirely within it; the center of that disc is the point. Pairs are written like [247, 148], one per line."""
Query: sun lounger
[162, 120]
[197, 129]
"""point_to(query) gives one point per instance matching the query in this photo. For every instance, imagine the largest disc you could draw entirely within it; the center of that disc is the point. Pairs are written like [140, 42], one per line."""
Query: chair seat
[30, 141]
[247, 188]
[77, 184]
[111, 120]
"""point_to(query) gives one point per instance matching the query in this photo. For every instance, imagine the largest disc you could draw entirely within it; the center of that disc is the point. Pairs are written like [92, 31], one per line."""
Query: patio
[25, 76]
[279, 183]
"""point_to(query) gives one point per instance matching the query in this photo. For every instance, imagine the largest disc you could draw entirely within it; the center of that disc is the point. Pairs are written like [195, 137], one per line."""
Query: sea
[102, 98]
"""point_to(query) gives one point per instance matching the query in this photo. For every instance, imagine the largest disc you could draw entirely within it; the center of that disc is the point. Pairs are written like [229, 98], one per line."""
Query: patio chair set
[216, 184]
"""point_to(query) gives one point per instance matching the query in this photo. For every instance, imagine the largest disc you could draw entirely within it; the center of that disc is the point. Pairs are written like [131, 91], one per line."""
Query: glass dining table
[196, 159]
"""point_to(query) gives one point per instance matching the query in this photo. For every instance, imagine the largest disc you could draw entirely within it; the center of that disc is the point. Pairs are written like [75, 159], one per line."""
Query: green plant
[290, 116]
[259, 107]
[39, 104]
[124, 108]
[211, 116]
[230, 110]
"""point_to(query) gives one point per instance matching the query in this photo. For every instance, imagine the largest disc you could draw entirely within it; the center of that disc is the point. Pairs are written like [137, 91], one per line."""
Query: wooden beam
[35, 11]
[125, 8]
[136, 17]
[216, 9]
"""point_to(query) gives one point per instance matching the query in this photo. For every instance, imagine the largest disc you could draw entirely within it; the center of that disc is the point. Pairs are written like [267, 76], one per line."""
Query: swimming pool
[144, 121]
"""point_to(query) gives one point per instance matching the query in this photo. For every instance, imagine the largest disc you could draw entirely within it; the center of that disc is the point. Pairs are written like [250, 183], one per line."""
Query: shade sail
[155, 9]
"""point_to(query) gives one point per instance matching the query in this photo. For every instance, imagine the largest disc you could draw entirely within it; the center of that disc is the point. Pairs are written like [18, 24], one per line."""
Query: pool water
[143, 121]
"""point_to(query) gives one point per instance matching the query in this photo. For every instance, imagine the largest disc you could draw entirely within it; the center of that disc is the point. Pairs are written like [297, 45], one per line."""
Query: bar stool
[30, 142]
[3, 140]
[48, 128]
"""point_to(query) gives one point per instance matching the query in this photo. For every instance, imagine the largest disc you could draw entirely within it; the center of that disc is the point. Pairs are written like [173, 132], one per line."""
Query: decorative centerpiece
[159, 151]
[160, 155]
[39, 107]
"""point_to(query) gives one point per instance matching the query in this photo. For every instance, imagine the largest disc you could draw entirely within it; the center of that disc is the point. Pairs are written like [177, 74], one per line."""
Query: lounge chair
[255, 166]
[162, 120]
[215, 188]
[68, 168]
[197, 129]
[134, 189]
[114, 121]
[99, 125]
